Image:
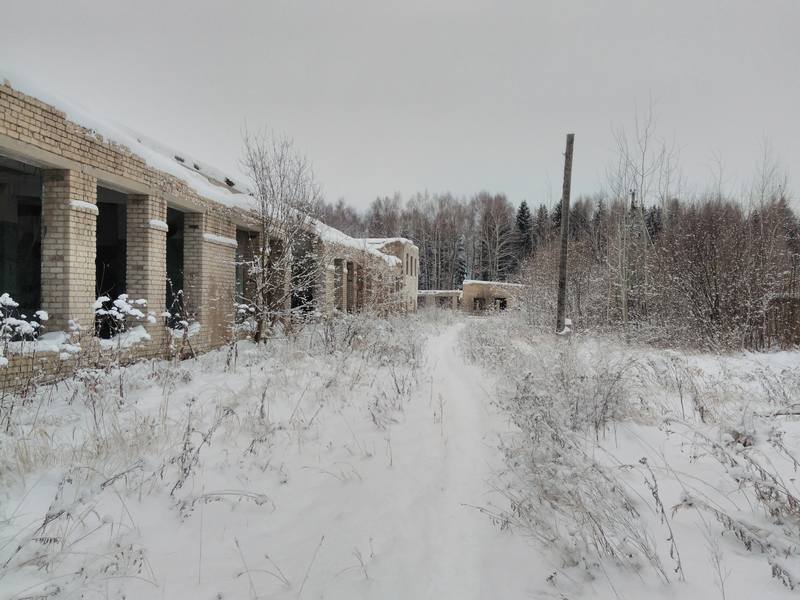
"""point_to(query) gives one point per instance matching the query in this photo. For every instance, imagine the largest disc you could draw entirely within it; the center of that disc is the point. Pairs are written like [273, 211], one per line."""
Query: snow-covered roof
[204, 179]
[334, 236]
[493, 283]
[379, 242]
[442, 293]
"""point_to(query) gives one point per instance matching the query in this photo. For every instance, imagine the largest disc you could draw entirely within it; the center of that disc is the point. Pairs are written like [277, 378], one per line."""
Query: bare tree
[383, 218]
[286, 194]
[343, 217]
[770, 181]
[645, 172]
[496, 236]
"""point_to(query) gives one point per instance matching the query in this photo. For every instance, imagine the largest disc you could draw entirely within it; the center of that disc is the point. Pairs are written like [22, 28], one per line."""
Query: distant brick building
[475, 296]
[408, 253]
[478, 296]
[83, 213]
[439, 298]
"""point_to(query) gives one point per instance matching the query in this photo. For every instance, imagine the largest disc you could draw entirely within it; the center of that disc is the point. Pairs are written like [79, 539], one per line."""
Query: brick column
[325, 288]
[340, 285]
[209, 275]
[146, 256]
[368, 285]
[195, 276]
[69, 248]
[193, 290]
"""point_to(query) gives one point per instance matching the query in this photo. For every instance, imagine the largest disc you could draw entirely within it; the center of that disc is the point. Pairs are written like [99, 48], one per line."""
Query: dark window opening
[500, 303]
[110, 262]
[175, 304]
[304, 272]
[350, 287]
[21, 235]
[245, 284]
[111, 243]
[479, 303]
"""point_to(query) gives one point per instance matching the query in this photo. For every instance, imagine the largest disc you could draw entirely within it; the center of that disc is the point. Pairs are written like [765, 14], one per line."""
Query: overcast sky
[439, 95]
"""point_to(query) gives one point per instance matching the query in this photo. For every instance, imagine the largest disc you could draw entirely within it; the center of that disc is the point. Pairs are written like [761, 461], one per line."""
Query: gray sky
[447, 95]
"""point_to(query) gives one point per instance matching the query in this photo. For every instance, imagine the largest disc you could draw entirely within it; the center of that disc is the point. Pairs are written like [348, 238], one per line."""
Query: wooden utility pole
[562, 265]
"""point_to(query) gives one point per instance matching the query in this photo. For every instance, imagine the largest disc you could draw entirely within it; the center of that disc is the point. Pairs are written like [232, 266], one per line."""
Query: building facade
[87, 214]
[478, 296]
[475, 296]
[439, 298]
[408, 253]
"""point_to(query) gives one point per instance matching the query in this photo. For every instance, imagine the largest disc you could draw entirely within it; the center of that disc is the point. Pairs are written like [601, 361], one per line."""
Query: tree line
[481, 237]
[711, 268]
[707, 271]
[648, 255]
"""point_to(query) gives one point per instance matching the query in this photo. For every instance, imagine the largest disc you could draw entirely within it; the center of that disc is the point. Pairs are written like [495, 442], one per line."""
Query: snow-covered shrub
[215, 435]
[181, 327]
[562, 394]
[245, 322]
[16, 326]
[563, 397]
[70, 522]
[609, 440]
[437, 317]
[561, 495]
[120, 323]
[593, 386]
[118, 315]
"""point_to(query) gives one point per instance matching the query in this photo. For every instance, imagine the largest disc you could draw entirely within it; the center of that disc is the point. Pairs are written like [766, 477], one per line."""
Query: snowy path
[464, 546]
[351, 473]
[426, 539]
[355, 509]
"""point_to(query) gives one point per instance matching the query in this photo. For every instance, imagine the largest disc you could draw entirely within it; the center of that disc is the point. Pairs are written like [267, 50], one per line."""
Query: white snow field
[428, 456]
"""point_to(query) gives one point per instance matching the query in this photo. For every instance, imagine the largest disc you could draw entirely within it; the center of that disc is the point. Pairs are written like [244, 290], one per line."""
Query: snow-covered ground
[644, 473]
[401, 458]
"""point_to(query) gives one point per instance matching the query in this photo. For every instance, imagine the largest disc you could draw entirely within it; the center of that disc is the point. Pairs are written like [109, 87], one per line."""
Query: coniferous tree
[461, 261]
[524, 232]
[555, 218]
[541, 226]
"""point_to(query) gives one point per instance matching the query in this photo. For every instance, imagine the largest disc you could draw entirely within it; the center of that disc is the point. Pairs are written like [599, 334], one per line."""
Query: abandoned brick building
[408, 252]
[478, 296]
[475, 296]
[439, 298]
[86, 210]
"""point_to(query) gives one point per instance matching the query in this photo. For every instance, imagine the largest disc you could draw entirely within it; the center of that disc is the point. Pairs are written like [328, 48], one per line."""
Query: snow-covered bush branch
[16, 326]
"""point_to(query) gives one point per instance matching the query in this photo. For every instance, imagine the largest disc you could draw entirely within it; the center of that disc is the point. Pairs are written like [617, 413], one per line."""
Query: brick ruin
[72, 202]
